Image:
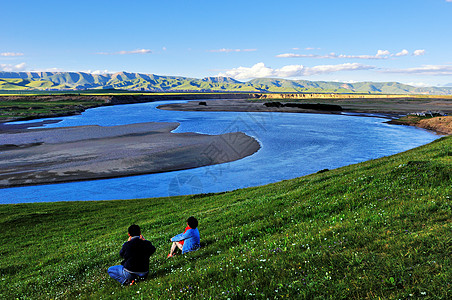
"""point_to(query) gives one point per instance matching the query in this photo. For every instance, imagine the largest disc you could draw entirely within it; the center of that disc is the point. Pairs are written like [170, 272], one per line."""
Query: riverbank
[392, 108]
[441, 125]
[28, 107]
[42, 156]
[378, 229]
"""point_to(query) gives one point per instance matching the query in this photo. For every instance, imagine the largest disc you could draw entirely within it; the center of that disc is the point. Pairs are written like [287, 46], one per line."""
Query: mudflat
[391, 108]
[237, 106]
[42, 156]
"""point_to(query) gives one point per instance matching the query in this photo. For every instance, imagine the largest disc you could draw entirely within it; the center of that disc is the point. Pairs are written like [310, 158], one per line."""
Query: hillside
[27, 81]
[375, 230]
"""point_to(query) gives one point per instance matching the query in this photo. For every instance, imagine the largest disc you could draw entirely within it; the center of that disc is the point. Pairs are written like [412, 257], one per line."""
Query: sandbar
[54, 155]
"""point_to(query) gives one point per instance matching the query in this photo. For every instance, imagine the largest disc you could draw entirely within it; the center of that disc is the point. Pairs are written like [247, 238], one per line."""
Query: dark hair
[134, 230]
[192, 222]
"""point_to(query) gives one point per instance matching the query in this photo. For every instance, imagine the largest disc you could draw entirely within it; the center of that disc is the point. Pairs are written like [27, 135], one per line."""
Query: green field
[379, 229]
[27, 107]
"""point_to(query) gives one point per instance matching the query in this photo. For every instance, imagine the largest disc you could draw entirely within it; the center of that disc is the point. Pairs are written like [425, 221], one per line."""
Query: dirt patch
[439, 124]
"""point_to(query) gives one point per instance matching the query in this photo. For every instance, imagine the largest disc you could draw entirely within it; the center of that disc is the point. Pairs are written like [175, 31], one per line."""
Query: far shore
[383, 108]
[54, 155]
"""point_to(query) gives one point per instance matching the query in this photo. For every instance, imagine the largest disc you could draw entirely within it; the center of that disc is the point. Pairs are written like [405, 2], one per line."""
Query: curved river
[293, 145]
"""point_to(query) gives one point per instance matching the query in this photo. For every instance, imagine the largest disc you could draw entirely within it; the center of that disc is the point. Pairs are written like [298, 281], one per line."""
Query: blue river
[292, 145]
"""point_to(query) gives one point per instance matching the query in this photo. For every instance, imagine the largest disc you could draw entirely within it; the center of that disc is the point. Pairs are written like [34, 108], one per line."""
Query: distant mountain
[155, 83]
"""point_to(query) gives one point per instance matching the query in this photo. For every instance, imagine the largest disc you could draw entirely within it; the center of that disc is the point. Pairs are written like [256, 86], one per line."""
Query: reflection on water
[292, 144]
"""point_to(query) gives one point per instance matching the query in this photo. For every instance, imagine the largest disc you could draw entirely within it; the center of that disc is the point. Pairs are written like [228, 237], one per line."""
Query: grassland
[31, 107]
[379, 229]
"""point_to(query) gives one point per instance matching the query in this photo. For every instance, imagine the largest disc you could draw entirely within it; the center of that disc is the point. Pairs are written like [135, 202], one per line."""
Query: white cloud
[224, 50]
[11, 54]
[137, 51]
[98, 72]
[381, 54]
[102, 72]
[293, 55]
[419, 84]
[259, 70]
[425, 70]
[323, 69]
[404, 52]
[13, 68]
[51, 70]
[418, 52]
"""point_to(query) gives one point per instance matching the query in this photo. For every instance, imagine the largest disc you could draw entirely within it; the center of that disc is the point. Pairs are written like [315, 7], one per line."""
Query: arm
[182, 236]
[122, 252]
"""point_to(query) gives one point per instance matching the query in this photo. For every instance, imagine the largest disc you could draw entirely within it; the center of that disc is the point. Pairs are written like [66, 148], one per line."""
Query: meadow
[378, 229]
[29, 107]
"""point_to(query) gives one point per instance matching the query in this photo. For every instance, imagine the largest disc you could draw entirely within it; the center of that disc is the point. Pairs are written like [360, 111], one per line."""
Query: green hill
[376, 230]
[156, 83]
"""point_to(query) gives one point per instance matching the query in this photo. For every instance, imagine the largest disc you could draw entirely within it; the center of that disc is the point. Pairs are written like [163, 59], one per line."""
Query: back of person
[136, 253]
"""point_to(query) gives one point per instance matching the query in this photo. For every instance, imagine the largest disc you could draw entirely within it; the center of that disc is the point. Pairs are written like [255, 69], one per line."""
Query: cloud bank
[259, 70]
[11, 54]
[224, 50]
[436, 70]
[381, 54]
[138, 51]
[13, 68]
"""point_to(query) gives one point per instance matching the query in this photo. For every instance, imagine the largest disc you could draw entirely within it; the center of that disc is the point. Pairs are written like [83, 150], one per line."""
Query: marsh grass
[379, 229]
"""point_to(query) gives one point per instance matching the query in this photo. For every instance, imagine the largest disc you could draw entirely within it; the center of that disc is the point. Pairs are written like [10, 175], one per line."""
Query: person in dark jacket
[135, 252]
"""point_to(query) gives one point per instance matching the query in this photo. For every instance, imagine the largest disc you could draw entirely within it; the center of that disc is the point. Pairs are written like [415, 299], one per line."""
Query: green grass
[29, 107]
[379, 229]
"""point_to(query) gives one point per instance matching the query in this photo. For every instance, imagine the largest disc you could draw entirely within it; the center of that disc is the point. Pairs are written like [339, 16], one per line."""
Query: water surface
[292, 145]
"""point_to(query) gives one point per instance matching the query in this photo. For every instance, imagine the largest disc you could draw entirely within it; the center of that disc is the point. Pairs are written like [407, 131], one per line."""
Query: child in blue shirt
[187, 241]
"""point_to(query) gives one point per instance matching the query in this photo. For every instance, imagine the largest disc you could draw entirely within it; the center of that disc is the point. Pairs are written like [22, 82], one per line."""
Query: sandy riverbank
[41, 156]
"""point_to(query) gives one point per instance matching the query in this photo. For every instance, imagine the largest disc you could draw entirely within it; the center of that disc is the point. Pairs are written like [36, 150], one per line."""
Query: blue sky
[407, 41]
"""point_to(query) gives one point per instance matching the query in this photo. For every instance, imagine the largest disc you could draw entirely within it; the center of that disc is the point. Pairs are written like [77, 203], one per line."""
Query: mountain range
[28, 81]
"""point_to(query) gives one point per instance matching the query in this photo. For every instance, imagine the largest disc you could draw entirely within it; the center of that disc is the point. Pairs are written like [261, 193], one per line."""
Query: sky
[407, 41]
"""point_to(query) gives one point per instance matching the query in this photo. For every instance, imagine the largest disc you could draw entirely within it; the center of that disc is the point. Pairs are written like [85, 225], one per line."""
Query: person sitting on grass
[187, 241]
[136, 252]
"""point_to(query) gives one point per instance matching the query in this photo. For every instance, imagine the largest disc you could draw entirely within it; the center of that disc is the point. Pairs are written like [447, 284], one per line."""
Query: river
[292, 145]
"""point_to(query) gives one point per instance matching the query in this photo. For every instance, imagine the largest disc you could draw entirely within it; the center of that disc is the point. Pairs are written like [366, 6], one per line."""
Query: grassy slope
[377, 229]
